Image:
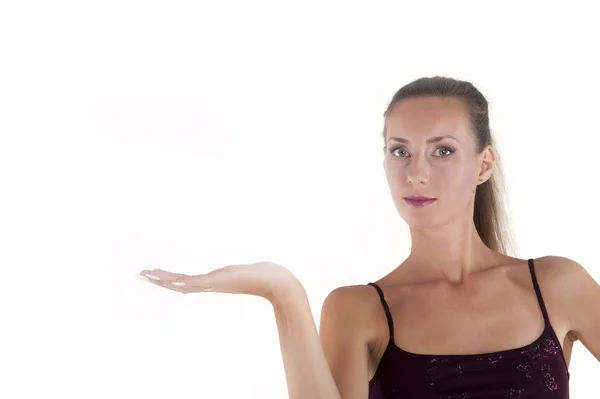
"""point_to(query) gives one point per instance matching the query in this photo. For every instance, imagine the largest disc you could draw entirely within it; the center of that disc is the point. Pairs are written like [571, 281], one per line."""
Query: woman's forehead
[423, 118]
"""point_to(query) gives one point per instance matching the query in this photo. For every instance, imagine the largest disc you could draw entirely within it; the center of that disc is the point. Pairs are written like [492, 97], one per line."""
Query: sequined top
[537, 370]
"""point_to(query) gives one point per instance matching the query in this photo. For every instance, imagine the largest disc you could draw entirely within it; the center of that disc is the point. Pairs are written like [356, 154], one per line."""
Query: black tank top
[537, 370]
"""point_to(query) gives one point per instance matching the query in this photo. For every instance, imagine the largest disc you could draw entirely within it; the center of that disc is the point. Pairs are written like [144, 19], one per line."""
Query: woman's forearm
[306, 370]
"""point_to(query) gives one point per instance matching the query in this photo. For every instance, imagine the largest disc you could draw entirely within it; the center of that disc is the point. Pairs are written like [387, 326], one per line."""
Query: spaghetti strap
[533, 370]
[547, 325]
[538, 293]
[387, 311]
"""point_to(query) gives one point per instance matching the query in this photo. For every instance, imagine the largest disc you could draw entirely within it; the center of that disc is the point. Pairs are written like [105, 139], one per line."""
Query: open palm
[264, 279]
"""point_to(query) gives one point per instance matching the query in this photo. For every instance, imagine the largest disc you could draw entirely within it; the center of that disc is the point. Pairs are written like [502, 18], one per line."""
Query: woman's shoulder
[559, 272]
[555, 275]
[353, 298]
[569, 288]
[360, 305]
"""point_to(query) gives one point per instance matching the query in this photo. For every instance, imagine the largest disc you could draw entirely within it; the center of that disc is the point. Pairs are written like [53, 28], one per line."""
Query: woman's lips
[419, 202]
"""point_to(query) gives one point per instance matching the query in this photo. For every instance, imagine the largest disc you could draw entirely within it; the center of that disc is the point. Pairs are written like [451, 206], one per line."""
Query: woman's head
[438, 144]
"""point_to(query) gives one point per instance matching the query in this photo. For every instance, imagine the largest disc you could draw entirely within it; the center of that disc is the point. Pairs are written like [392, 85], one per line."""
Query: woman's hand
[265, 279]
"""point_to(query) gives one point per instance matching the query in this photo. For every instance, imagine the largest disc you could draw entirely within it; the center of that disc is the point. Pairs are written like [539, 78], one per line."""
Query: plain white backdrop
[192, 135]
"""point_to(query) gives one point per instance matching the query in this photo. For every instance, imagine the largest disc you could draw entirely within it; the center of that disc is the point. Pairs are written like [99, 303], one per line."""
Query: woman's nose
[418, 178]
[417, 172]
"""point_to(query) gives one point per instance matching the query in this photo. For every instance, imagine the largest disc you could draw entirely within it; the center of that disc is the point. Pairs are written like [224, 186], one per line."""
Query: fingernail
[143, 278]
[178, 283]
[152, 277]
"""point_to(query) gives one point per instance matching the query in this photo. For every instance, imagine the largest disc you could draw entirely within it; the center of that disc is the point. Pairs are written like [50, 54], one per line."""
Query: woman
[458, 318]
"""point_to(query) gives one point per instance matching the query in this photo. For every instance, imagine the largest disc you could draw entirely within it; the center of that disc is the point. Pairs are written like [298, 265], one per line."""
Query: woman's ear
[487, 160]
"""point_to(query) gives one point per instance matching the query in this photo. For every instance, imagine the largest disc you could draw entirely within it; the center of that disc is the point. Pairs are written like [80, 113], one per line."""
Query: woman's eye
[447, 150]
[443, 151]
[393, 150]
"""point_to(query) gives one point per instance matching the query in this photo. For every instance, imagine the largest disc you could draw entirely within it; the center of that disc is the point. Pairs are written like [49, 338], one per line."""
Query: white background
[193, 135]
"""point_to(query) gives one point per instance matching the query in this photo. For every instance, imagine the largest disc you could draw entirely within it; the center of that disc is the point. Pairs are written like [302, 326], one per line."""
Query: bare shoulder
[353, 299]
[568, 285]
[561, 273]
[350, 294]
[354, 305]
[346, 333]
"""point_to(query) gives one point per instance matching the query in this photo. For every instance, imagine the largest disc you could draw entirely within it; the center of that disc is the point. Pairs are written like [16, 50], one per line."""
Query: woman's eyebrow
[435, 139]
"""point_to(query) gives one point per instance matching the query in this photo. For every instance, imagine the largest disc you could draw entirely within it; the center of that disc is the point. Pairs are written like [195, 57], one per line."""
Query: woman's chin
[421, 222]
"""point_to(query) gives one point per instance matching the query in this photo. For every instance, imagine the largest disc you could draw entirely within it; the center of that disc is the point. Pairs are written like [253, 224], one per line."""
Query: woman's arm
[581, 294]
[311, 361]
[306, 370]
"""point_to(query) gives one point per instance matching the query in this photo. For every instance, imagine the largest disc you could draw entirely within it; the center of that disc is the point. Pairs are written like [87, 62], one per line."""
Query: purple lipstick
[419, 201]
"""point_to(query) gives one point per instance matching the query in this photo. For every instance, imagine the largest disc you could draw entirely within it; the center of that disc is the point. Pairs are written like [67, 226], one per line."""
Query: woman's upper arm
[581, 293]
[345, 343]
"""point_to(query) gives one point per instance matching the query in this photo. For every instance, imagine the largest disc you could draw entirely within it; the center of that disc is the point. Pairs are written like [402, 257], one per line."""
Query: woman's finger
[177, 281]
[170, 286]
[161, 274]
[175, 287]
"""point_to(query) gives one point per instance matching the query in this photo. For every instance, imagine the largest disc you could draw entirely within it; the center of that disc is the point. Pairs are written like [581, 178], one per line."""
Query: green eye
[448, 151]
[395, 149]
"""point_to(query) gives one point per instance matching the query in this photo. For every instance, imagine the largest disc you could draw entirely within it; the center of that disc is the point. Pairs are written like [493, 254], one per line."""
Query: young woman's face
[431, 151]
